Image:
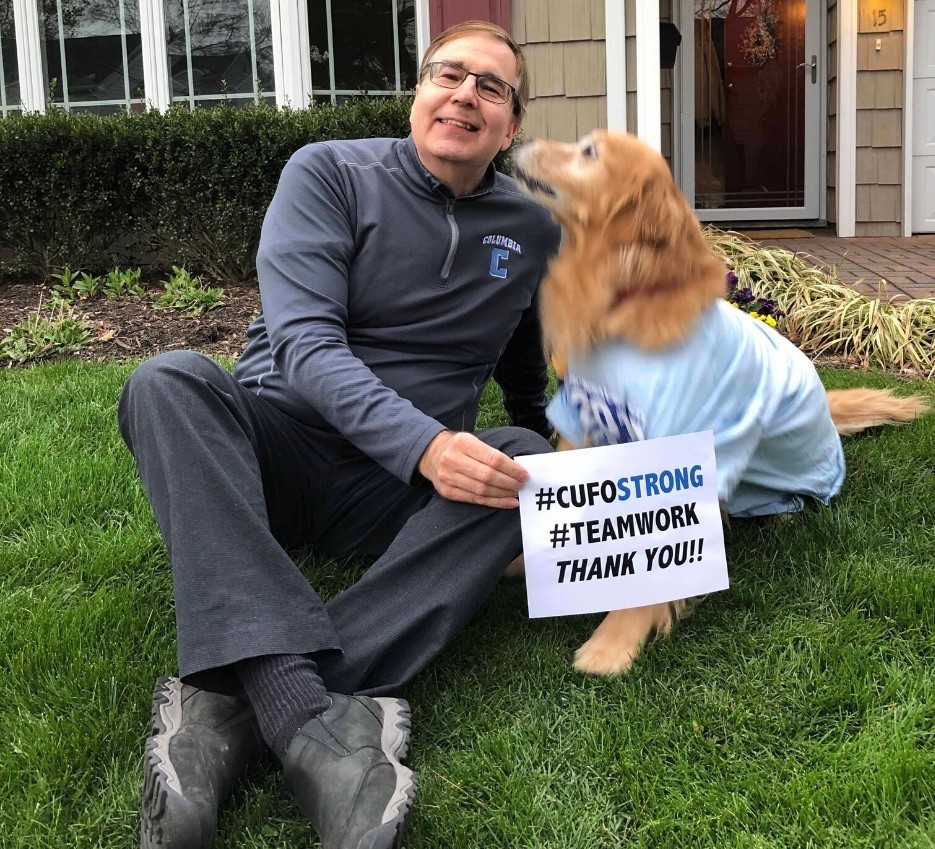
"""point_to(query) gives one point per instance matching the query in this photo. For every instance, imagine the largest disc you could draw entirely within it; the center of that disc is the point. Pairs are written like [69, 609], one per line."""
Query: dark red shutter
[446, 13]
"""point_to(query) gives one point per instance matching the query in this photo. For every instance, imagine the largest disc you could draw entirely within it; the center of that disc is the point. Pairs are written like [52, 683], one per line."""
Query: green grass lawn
[795, 710]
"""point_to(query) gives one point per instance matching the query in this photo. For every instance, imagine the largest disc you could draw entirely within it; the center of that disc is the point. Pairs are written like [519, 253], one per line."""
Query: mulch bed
[130, 328]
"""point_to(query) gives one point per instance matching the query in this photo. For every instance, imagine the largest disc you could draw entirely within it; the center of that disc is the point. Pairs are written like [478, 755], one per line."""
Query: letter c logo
[496, 255]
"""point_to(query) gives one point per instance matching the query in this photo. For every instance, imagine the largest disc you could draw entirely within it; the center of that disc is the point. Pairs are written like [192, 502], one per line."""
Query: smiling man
[397, 277]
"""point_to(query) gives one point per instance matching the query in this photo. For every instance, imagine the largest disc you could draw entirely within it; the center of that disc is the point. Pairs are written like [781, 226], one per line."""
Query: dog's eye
[589, 151]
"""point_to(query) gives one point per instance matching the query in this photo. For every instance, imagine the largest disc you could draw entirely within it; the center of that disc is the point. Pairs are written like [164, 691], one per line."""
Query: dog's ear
[659, 214]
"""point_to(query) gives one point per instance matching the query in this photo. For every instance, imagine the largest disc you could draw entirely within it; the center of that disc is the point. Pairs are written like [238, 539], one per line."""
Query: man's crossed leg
[234, 482]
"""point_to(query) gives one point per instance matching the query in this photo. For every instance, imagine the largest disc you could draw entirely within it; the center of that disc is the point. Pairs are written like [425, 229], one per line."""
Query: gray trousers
[234, 483]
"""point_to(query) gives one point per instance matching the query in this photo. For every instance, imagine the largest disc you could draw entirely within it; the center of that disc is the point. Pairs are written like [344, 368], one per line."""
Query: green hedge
[180, 187]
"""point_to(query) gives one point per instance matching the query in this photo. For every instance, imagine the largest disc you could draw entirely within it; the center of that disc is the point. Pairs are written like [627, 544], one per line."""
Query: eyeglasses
[450, 75]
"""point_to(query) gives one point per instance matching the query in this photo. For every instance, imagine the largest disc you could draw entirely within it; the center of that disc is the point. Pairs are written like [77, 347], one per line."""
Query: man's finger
[487, 456]
[480, 489]
[468, 497]
[483, 480]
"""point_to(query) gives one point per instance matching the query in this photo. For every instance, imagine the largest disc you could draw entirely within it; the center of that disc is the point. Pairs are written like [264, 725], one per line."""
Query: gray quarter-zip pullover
[388, 303]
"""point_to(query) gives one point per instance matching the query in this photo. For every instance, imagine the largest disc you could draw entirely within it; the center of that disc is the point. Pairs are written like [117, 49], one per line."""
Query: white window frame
[420, 8]
[908, 82]
[292, 61]
[29, 55]
[6, 108]
[155, 57]
[292, 70]
[66, 102]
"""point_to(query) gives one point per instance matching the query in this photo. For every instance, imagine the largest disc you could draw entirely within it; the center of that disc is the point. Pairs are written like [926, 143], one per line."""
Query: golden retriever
[635, 274]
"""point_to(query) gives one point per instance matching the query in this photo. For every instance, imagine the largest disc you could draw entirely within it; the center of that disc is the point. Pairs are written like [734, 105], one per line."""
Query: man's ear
[418, 86]
[511, 132]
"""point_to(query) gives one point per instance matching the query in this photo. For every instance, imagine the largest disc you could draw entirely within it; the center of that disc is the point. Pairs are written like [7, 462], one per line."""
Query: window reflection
[93, 54]
[220, 51]
[361, 46]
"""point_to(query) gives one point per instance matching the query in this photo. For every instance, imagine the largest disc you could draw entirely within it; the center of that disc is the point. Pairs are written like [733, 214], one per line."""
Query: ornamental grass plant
[824, 317]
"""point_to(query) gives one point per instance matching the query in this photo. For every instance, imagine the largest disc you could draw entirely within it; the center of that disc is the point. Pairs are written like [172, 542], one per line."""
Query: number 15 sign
[880, 16]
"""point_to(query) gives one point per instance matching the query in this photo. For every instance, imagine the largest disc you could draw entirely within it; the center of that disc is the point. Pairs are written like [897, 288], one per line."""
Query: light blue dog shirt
[773, 435]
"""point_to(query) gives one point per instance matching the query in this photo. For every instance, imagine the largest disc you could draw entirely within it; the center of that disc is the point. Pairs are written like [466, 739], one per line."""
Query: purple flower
[746, 300]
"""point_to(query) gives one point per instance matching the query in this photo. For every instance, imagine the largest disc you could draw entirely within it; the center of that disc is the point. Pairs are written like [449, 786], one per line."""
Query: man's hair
[521, 98]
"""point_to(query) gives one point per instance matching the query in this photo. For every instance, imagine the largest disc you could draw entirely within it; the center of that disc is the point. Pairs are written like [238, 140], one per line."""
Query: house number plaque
[880, 16]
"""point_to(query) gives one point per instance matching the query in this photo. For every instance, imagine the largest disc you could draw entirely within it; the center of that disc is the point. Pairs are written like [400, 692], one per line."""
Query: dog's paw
[618, 639]
[602, 657]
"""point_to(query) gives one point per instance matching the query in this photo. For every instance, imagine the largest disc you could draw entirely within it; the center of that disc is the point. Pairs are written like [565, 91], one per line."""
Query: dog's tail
[853, 410]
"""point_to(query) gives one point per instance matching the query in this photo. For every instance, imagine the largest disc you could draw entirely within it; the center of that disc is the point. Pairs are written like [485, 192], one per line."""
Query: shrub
[68, 184]
[190, 186]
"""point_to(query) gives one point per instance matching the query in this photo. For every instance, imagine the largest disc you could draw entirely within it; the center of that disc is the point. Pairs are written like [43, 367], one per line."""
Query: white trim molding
[155, 59]
[648, 92]
[616, 64]
[292, 60]
[908, 98]
[846, 148]
[423, 29]
[29, 55]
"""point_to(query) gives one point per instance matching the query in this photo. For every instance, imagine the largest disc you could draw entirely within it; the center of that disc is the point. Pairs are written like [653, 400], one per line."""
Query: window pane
[9, 72]
[263, 45]
[93, 52]
[408, 61]
[363, 44]
[318, 43]
[368, 54]
[219, 50]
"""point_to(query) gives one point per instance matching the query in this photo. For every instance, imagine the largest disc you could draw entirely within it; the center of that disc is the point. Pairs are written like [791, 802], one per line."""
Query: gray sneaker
[344, 770]
[201, 743]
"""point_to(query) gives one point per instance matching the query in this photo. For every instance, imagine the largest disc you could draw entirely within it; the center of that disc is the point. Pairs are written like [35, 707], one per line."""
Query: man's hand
[462, 468]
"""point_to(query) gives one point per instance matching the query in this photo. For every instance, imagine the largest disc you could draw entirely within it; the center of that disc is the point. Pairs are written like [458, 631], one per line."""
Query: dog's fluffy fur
[634, 265]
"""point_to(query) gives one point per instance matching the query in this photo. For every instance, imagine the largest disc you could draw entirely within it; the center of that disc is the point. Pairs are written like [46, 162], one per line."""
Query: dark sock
[285, 692]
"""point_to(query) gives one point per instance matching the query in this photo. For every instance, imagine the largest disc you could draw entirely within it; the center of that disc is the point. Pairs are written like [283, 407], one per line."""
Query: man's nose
[467, 91]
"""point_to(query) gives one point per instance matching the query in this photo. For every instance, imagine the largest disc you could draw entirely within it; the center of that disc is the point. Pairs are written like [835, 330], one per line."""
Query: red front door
[751, 73]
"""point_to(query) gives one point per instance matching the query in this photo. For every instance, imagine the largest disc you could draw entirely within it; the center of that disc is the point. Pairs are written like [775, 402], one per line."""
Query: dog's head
[607, 181]
[634, 262]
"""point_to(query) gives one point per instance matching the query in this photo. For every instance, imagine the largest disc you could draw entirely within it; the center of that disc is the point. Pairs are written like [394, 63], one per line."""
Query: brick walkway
[906, 264]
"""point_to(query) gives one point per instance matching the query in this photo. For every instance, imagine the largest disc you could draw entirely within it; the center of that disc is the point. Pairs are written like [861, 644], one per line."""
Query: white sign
[622, 526]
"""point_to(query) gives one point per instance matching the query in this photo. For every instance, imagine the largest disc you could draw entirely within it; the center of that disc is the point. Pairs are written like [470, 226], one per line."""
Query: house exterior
[786, 112]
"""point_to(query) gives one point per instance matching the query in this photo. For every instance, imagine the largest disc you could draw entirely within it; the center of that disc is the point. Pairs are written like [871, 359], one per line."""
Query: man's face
[456, 132]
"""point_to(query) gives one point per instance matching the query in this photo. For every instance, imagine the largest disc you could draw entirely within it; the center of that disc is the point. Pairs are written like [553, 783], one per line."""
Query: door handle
[813, 65]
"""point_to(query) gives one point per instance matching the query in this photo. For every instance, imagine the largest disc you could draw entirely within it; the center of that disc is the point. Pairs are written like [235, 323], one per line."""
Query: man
[397, 277]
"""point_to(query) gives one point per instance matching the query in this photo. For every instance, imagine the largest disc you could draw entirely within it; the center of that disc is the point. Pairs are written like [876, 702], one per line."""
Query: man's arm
[303, 264]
